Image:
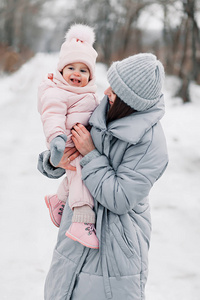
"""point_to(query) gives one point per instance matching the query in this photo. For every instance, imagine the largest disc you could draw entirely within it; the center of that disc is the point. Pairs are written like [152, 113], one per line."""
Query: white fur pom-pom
[81, 32]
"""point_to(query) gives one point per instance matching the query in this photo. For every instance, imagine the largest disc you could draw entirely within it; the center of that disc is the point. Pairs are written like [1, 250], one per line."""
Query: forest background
[169, 29]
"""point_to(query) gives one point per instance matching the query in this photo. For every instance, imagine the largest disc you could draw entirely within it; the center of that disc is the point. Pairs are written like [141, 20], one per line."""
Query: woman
[124, 154]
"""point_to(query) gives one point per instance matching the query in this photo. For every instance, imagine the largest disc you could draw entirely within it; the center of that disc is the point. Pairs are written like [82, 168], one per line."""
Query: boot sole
[69, 235]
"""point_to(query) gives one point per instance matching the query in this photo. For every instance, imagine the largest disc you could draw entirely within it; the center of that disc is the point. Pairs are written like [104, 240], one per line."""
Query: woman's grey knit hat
[137, 80]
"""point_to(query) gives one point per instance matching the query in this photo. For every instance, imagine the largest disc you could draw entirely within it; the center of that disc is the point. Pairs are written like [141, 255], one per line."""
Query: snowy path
[27, 235]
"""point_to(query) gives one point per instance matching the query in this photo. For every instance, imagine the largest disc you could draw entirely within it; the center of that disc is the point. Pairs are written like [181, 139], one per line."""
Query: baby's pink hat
[78, 47]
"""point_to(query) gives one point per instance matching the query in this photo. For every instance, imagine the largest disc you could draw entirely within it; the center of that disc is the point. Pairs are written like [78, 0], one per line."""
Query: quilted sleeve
[121, 190]
[53, 109]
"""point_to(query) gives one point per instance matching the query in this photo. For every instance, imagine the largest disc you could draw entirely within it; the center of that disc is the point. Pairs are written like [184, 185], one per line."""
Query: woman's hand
[69, 155]
[82, 139]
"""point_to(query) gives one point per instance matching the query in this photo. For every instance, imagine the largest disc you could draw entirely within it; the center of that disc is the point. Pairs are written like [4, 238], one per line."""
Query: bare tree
[18, 31]
[190, 62]
[104, 16]
[132, 11]
[116, 25]
[181, 44]
[17, 16]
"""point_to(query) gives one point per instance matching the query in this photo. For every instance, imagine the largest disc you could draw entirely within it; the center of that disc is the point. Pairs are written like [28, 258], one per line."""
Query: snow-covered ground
[27, 235]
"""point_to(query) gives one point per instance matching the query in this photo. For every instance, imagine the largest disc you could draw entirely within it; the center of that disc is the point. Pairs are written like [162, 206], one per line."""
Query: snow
[27, 234]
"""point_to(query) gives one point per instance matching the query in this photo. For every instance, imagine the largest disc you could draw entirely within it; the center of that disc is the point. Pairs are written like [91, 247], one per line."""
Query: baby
[65, 99]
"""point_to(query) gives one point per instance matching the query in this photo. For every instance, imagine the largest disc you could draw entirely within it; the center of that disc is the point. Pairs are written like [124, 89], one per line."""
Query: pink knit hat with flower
[78, 47]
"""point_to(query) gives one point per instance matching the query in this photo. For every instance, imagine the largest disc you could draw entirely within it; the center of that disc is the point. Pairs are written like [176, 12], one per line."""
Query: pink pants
[73, 186]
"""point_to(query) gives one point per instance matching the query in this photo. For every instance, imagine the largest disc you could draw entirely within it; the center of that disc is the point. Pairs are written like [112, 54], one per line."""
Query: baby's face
[76, 74]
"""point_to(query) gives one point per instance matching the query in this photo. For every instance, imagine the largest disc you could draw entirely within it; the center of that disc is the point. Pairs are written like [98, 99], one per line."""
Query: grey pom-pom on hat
[137, 80]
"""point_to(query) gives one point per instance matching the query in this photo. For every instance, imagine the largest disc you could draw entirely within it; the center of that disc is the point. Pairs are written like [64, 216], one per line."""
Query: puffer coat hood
[130, 155]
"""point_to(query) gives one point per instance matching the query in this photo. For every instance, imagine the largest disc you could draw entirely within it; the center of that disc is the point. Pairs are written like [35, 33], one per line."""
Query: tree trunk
[185, 38]
[189, 72]
[184, 90]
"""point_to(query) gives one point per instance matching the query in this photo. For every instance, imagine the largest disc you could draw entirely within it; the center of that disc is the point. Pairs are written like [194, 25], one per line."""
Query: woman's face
[111, 95]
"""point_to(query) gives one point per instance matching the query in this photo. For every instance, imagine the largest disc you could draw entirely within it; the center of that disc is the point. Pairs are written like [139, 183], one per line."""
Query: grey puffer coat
[130, 155]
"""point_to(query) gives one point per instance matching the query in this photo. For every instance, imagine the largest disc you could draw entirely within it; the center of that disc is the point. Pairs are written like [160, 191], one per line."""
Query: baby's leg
[81, 202]
[63, 190]
[79, 195]
[83, 214]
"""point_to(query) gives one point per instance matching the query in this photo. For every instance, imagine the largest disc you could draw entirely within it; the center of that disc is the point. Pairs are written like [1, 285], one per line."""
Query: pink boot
[84, 233]
[55, 207]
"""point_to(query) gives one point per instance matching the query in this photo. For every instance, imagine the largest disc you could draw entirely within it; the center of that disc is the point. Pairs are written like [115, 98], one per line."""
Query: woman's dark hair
[118, 110]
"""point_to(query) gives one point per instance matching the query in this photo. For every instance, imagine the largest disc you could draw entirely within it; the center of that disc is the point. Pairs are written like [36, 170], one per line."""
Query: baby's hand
[57, 147]
[50, 76]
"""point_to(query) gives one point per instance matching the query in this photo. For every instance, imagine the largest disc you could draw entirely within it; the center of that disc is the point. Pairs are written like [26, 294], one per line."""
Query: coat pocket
[121, 240]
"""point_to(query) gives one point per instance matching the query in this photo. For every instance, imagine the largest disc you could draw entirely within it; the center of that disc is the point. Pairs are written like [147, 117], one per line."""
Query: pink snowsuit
[62, 106]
